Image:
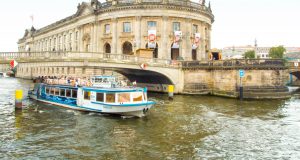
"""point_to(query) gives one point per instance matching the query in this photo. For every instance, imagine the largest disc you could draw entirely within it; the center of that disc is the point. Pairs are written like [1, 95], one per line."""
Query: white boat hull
[137, 110]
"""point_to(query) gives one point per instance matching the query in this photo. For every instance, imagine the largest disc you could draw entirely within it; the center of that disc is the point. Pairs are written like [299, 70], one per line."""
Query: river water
[190, 127]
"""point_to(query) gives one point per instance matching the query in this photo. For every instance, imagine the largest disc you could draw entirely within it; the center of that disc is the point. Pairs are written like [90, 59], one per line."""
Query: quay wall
[257, 84]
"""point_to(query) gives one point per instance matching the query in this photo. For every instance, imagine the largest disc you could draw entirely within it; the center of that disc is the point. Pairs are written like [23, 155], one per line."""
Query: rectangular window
[126, 27]
[107, 29]
[87, 95]
[124, 97]
[68, 93]
[137, 96]
[74, 93]
[47, 90]
[57, 91]
[176, 26]
[195, 28]
[52, 91]
[110, 98]
[151, 25]
[76, 36]
[62, 92]
[100, 97]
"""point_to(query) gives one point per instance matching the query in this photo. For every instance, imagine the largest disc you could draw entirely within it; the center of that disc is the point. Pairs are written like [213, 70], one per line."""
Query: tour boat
[104, 95]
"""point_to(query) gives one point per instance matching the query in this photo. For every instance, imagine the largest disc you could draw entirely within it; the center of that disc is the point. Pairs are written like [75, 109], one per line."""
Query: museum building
[166, 29]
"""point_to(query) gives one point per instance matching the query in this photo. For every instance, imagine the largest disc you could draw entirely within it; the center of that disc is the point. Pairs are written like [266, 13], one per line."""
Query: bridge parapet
[236, 64]
[89, 56]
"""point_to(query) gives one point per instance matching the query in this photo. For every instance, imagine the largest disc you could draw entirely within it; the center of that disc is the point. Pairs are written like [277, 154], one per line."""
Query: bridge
[264, 78]
[294, 71]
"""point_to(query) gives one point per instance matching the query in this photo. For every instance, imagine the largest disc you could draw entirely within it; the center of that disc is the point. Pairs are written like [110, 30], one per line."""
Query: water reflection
[190, 127]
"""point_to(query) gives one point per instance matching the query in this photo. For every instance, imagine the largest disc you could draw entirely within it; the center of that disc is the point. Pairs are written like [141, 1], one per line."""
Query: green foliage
[249, 54]
[277, 52]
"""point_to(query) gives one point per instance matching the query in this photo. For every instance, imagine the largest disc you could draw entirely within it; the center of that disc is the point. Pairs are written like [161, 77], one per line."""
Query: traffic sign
[242, 73]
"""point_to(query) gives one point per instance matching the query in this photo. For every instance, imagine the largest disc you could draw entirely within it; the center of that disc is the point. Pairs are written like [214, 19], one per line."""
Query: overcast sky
[237, 22]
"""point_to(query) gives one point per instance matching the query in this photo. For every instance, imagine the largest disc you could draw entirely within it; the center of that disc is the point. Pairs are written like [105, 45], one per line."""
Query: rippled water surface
[190, 127]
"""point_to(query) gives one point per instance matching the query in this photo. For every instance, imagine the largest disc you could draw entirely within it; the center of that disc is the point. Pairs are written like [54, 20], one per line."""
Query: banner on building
[177, 38]
[151, 38]
[196, 42]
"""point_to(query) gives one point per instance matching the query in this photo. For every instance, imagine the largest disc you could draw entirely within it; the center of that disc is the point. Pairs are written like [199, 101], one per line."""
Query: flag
[31, 17]
[13, 64]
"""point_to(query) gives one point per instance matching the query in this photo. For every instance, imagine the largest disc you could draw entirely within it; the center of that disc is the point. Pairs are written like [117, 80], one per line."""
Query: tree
[277, 52]
[249, 54]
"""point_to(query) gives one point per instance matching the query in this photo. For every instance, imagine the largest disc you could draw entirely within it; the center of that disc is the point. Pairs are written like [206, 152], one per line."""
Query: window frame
[125, 29]
[107, 30]
[176, 27]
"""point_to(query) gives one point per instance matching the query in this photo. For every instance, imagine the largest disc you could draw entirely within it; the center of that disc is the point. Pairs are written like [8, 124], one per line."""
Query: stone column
[114, 36]
[91, 47]
[209, 39]
[187, 53]
[74, 40]
[202, 53]
[96, 32]
[138, 31]
[164, 50]
[80, 44]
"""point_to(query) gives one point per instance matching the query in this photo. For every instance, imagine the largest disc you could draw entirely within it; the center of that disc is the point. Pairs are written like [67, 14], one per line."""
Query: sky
[237, 22]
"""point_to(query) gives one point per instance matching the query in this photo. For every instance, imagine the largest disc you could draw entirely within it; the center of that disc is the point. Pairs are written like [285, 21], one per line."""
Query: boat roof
[100, 89]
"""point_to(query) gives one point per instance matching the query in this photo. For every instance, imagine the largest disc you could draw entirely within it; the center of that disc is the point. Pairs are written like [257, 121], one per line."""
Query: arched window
[107, 48]
[127, 48]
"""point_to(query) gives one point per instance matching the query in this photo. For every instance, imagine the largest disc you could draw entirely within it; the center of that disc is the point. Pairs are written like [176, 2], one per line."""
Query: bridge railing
[95, 56]
[236, 63]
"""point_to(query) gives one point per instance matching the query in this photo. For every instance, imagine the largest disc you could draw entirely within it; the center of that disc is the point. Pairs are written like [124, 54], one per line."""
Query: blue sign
[242, 73]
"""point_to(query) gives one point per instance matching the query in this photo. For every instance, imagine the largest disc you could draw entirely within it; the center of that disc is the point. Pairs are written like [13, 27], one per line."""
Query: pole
[241, 89]
[171, 91]
[18, 99]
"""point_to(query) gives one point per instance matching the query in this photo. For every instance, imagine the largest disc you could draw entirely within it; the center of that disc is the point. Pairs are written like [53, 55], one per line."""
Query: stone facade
[121, 27]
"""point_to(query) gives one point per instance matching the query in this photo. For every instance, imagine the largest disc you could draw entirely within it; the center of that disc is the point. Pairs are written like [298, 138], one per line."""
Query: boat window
[110, 98]
[52, 91]
[68, 93]
[57, 91]
[105, 80]
[47, 90]
[87, 95]
[100, 97]
[124, 97]
[74, 93]
[62, 92]
[98, 80]
[137, 96]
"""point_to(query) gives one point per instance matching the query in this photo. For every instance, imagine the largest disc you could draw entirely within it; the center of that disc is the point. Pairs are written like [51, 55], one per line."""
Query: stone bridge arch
[154, 77]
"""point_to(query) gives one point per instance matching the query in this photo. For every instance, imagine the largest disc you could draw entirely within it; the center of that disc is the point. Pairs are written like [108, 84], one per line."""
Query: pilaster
[165, 49]
[114, 35]
[138, 32]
